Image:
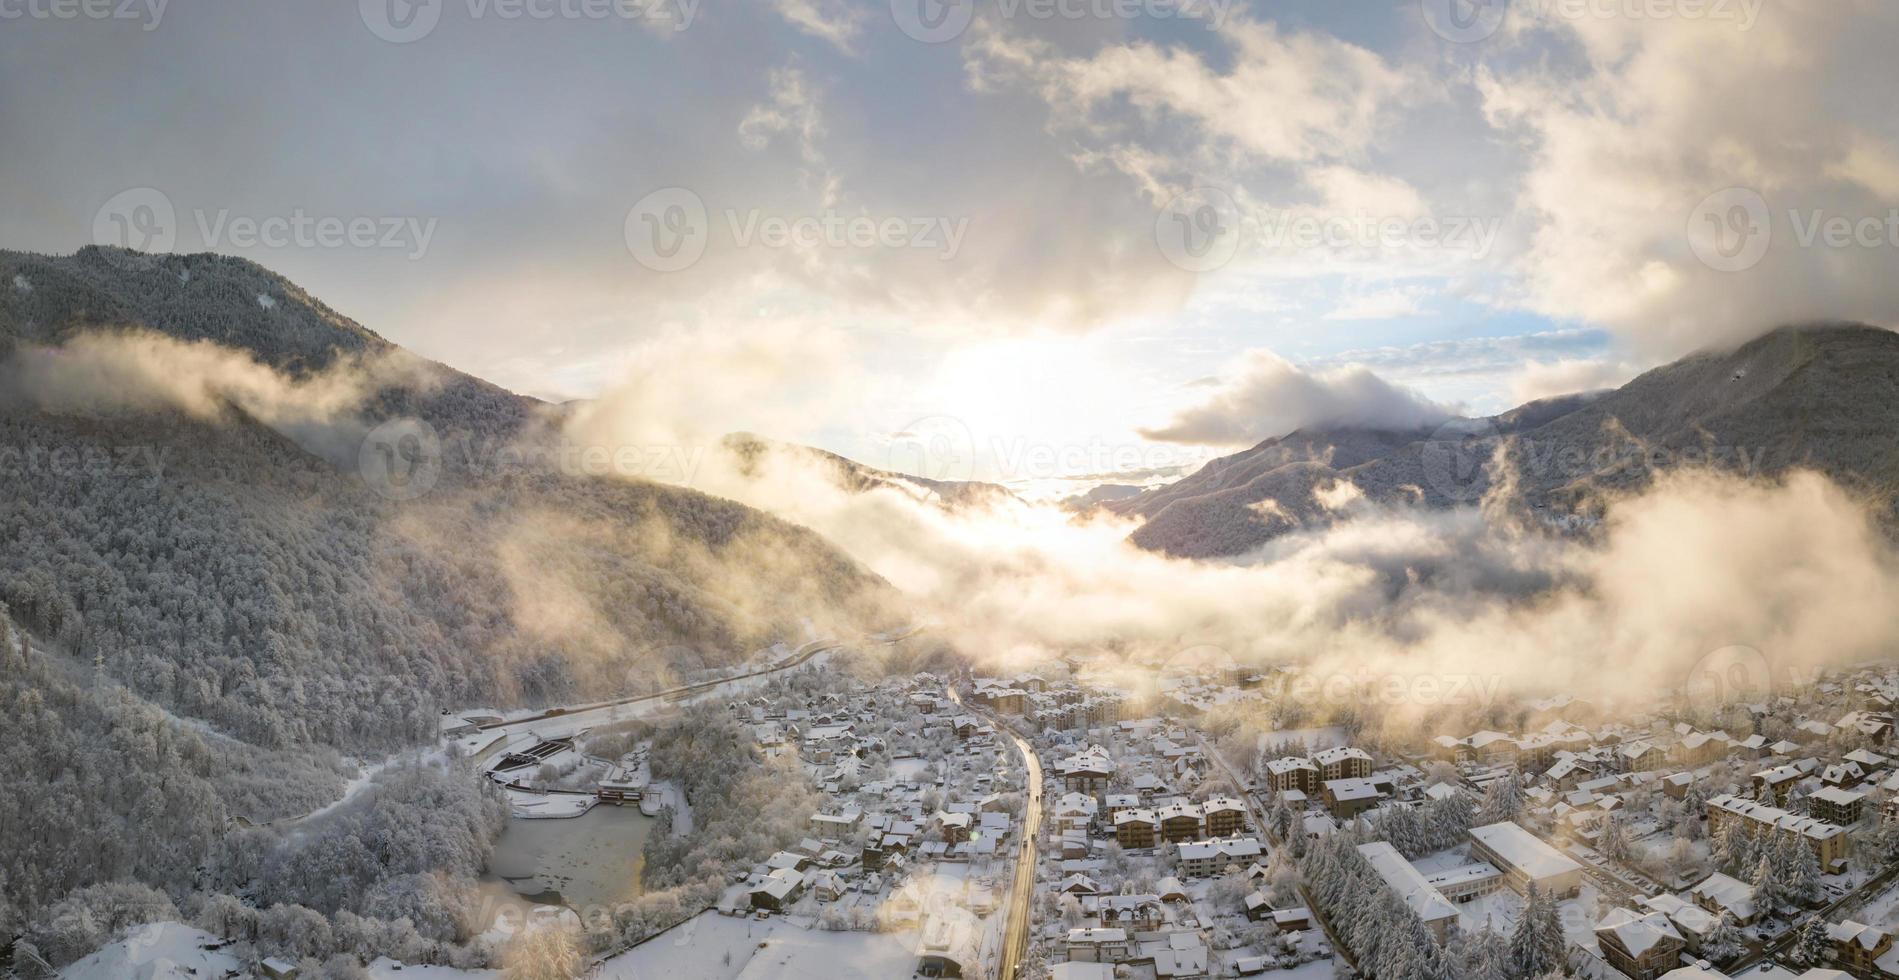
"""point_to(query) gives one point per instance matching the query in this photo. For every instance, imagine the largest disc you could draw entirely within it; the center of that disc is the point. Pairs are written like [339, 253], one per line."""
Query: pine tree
[1536, 945]
[1802, 873]
[1724, 941]
[1768, 895]
[1503, 801]
[1813, 947]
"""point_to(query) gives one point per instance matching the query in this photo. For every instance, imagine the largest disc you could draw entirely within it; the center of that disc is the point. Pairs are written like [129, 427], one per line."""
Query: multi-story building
[1136, 828]
[1837, 806]
[1180, 822]
[1343, 763]
[1223, 816]
[1410, 886]
[1828, 840]
[1525, 859]
[1201, 859]
[1293, 773]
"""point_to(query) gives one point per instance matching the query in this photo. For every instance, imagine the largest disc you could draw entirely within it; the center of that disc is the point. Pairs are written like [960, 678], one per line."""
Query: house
[1643, 946]
[1076, 970]
[827, 886]
[1526, 859]
[1494, 748]
[1135, 913]
[1347, 798]
[1719, 894]
[1087, 771]
[1640, 757]
[1101, 945]
[1074, 811]
[777, 890]
[1780, 780]
[1844, 775]
[1857, 947]
[1180, 955]
[836, 826]
[1693, 922]
[278, 968]
[1410, 886]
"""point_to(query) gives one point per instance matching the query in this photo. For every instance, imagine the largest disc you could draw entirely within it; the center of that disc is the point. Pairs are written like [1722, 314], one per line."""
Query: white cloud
[1548, 379]
[1265, 396]
[1622, 148]
[835, 21]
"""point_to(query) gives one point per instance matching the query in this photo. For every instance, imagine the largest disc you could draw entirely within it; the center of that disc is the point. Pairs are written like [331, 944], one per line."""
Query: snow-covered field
[159, 950]
[717, 947]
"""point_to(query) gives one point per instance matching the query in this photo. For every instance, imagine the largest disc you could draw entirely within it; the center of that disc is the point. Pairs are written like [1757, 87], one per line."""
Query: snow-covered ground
[161, 950]
[718, 947]
[664, 794]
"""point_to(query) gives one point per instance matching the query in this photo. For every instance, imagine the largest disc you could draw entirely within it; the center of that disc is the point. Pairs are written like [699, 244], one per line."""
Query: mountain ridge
[1822, 396]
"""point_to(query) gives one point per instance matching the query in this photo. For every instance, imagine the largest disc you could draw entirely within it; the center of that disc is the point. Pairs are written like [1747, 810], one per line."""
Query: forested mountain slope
[1822, 397]
[248, 575]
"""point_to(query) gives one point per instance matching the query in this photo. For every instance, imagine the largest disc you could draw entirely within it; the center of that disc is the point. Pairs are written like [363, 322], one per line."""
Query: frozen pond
[590, 860]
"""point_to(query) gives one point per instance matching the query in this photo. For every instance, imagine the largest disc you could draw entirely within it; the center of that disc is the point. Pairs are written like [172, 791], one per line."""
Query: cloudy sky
[1125, 232]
